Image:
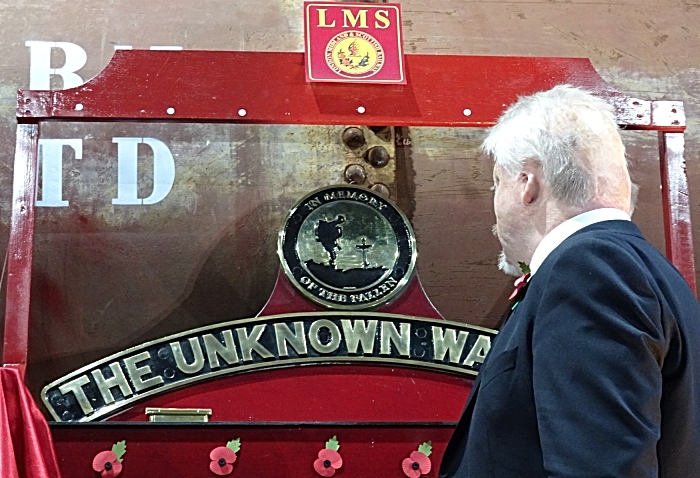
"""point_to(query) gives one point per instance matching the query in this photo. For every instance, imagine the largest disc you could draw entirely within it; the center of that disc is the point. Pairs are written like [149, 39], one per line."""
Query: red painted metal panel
[20, 248]
[352, 393]
[676, 205]
[265, 87]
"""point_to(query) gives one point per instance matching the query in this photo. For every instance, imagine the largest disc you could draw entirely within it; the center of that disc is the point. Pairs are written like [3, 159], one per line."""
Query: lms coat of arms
[345, 247]
[354, 54]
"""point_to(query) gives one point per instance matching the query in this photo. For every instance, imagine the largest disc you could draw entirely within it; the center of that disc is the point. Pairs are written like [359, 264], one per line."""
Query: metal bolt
[361, 109]
[79, 107]
[377, 156]
[381, 189]
[355, 174]
[353, 138]
[170, 111]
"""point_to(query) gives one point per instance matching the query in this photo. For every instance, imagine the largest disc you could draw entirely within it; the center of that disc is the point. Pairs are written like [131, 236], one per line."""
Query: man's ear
[531, 182]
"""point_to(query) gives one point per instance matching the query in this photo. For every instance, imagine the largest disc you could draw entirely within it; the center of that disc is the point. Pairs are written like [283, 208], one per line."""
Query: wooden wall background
[646, 48]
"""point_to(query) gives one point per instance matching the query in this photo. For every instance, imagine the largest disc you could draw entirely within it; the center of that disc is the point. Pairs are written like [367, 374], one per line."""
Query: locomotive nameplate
[116, 382]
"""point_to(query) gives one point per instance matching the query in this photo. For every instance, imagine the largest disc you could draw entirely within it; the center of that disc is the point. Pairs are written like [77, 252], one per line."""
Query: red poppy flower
[418, 464]
[328, 461]
[222, 459]
[519, 284]
[106, 463]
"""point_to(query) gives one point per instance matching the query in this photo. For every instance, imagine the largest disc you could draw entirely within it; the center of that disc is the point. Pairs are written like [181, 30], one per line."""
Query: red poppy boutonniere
[109, 463]
[520, 282]
[328, 459]
[223, 457]
[418, 463]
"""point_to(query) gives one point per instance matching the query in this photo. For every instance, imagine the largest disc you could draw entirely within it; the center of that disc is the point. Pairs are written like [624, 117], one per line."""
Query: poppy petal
[321, 468]
[98, 463]
[223, 452]
[423, 461]
[220, 470]
[117, 467]
[407, 467]
[108, 473]
[331, 455]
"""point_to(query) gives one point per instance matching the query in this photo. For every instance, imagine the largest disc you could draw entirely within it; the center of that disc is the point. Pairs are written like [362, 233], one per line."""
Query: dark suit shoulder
[609, 307]
[619, 248]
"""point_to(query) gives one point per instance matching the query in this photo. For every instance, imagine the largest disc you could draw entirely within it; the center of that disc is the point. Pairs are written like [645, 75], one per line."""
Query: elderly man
[596, 373]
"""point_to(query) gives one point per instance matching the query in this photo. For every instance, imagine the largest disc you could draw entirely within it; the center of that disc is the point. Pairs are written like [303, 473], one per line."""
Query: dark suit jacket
[595, 374]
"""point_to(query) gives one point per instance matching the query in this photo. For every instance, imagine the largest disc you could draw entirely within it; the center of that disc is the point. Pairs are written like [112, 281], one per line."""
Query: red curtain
[26, 448]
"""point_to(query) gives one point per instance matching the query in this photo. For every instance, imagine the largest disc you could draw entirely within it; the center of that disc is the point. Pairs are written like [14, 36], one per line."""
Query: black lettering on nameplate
[115, 382]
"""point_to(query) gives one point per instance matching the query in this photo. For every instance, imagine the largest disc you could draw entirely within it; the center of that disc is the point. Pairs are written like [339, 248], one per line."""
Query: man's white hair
[557, 128]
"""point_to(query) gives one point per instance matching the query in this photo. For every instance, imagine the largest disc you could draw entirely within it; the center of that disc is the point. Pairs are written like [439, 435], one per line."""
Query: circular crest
[346, 247]
[354, 54]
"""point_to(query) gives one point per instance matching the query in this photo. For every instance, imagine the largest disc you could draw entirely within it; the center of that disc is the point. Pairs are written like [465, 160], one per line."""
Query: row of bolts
[377, 156]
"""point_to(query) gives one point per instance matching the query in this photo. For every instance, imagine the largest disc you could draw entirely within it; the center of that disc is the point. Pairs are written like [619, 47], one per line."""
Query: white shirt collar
[557, 235]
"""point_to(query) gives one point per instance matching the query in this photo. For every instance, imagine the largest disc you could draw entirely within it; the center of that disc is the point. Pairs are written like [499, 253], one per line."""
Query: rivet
[353, 138]
[635, 103]
[360, 109]
[242, 112]
[170, 111]
[79, 107]
[639, 115]
[673, 110]
[675, 122]
[381, 189]
[377, 156]
[467, 112]
[355, 174]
